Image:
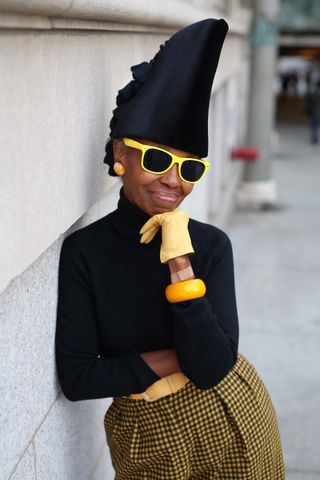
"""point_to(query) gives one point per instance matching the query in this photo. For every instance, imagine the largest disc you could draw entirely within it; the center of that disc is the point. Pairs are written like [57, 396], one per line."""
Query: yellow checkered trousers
[227, 432]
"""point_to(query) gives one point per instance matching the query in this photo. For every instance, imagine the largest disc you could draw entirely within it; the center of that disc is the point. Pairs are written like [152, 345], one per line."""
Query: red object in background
[249, 154]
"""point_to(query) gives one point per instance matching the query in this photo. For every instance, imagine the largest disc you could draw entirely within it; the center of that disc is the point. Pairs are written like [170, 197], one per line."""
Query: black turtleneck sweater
[112, 306]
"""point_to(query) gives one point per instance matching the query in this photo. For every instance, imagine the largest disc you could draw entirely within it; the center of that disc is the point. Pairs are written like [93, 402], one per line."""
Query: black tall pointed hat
[168, 99]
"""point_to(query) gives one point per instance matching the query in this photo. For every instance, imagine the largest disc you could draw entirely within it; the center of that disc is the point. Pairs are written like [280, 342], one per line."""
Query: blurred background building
[298, 68]
[62, 63]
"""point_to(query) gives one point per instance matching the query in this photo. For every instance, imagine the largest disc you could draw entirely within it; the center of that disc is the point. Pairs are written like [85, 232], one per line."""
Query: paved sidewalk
[277, 268]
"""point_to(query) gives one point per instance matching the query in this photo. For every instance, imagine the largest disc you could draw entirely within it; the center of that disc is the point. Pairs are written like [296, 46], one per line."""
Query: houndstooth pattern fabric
[227, 432]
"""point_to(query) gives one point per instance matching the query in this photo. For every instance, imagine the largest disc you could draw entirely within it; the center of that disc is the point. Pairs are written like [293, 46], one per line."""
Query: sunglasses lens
[191, 171]
[156, 160]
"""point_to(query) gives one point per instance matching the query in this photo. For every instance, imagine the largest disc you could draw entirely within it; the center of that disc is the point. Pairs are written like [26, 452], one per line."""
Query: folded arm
[206, 329]
[83, 371]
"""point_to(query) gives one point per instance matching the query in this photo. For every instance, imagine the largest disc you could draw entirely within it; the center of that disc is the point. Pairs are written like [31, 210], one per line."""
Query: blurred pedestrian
[312, 104]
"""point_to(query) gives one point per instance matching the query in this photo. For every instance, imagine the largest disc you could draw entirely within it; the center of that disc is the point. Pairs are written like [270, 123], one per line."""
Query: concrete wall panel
[71, 439]
[27, 366]
[26, 467]
[27, 361]
[103, 469]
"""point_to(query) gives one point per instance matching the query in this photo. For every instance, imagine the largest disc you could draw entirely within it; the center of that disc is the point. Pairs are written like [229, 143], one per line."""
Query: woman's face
[150, 192]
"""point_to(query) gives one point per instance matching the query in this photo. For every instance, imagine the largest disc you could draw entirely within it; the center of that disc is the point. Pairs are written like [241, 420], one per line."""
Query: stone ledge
[106, 15]
[171, 14]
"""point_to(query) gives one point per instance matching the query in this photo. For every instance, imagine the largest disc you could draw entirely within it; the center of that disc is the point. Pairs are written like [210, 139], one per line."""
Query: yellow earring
[119, 169]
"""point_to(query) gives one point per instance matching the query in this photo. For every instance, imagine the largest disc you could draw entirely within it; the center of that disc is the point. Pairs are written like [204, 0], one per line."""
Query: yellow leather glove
[176, 240]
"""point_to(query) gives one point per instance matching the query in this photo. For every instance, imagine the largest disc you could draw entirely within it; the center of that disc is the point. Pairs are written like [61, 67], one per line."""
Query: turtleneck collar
[129, 218]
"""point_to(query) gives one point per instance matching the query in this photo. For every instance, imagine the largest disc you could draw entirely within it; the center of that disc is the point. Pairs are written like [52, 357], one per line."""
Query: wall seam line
[33, 437]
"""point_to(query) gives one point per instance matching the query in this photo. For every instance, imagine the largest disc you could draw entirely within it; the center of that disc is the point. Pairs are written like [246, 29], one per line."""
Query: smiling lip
[167, 197]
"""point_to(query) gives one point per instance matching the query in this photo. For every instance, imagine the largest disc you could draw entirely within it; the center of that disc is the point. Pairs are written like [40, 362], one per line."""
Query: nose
[171, 177]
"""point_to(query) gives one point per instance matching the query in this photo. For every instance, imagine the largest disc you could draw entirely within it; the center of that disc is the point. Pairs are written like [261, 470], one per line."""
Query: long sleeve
[206, 329]
[83, 371]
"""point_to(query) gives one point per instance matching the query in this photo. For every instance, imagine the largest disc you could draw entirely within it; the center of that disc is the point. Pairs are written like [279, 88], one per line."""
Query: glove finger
[153, 221]
[149, 234]
[146, 238]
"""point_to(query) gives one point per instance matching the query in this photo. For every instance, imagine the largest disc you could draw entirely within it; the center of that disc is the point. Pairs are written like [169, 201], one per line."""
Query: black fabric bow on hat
[140, 73]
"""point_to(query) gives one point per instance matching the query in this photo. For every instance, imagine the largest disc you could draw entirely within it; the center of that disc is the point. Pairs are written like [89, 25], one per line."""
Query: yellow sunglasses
[158, 161]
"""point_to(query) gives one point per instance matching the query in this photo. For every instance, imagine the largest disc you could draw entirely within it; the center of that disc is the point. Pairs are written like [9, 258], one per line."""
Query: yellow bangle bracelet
[186, 290]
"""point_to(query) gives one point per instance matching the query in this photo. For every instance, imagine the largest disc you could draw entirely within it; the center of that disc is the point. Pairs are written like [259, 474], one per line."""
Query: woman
[160, 335]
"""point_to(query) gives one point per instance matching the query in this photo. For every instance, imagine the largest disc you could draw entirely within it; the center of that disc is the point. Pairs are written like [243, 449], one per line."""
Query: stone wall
[61, 65]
